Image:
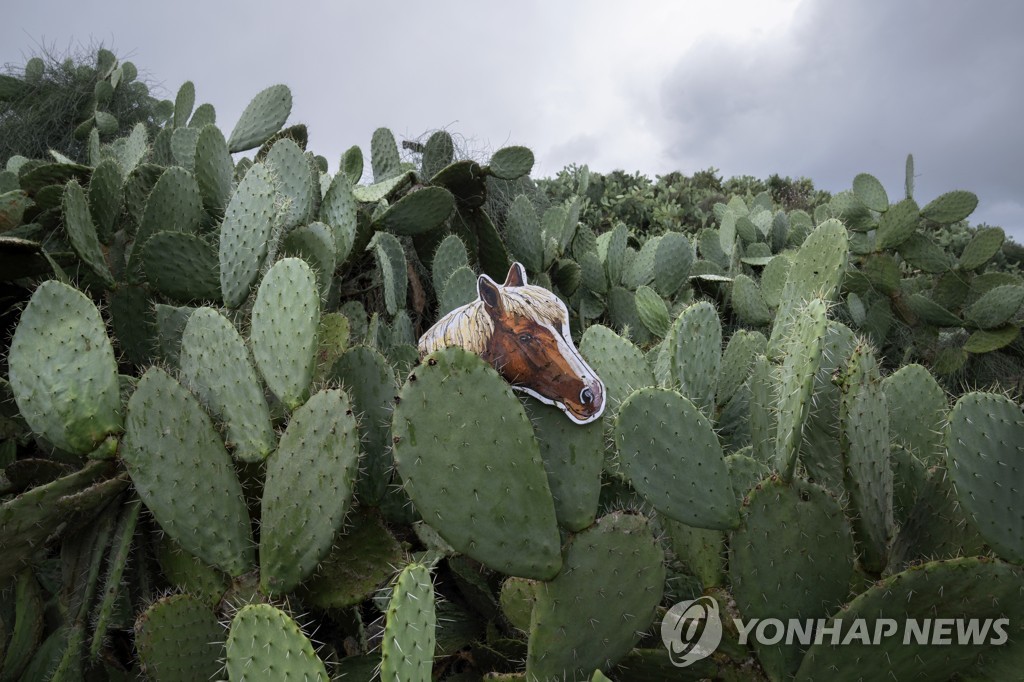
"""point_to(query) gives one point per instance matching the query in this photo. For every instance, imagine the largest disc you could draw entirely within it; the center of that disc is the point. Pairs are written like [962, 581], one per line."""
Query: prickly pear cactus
[972, 590]
[695, 347]
[573, 458]
[445, 423]
[179, 638]
[802, 355]
[407, 650]
[285, 319]
[264, 643]
[308, 489]
[72, 399]
[865, 444]
[182, 471]
[816, 272]
[670, 454]
[245, 233]
[417, 212]
[618, 558]
[985, 441]
[82, 231]
[917, 411]
[370, 381]
[619, 363]
[770, 581]
[215, 365]
[263, 117]
[214, 387]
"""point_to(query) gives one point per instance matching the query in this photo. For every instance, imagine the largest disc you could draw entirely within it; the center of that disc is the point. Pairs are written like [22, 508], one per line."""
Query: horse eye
[526, 338]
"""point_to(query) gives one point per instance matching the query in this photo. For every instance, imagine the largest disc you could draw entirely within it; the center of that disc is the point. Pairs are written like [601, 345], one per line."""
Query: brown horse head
[531, 347]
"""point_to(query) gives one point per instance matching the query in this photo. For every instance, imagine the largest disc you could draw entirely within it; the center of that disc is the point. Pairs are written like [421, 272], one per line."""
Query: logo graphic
[685, 638]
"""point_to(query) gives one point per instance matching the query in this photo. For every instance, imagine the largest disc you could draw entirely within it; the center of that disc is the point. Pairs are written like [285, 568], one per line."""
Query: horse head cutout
[523, 331]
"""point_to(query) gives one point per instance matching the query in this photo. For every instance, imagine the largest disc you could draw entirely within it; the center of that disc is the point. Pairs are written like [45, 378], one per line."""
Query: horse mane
[470, 326]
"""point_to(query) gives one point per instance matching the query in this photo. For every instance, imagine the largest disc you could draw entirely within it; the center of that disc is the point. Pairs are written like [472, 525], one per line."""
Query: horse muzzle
[589, 405]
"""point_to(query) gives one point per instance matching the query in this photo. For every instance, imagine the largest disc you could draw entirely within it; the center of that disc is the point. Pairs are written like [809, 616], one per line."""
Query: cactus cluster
[220, 449]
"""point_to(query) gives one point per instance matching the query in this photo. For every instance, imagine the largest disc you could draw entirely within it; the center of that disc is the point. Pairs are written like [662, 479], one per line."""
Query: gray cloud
[474, 68]
[853, 87]
[839, 88]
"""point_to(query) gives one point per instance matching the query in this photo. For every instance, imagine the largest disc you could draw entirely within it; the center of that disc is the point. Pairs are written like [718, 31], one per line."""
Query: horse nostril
[586, 396]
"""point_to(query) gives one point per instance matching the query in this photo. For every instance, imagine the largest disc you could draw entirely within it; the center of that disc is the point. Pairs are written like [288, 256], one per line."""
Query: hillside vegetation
[221, 456]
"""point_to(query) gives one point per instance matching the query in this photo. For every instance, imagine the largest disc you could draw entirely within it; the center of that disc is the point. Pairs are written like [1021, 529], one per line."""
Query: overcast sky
[823, 89]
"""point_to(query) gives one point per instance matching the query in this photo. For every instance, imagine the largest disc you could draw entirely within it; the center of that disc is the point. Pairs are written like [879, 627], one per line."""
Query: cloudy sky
[823, 89]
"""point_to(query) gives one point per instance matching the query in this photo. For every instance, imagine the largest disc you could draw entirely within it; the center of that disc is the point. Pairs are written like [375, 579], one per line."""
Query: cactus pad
[338, 210]
[438, 152]
[314, 243]
[612, 582]
[618, 362]
[931, 312]
[449, 257]
[967, 592]
[769, 580]
[865, 445]
[263, 117]
[748, 302]
[870, 192]
[213, 170]
[73, 398]
[816, 272]
[737, 361]
[179, 639]
[370, 381]
[672, 263]
[309, 486]
[183, 103]
[652, 310]
[295, 182]
[184, 475]
[499, 509]
[182, 266]
[190, 574]
[458, 290]
[509, 163]
[896, 225]
[285, 319]
[264, 644]
[362, 559]
[391, 260]
[917, 411]
[996, 307]
[407, 650]
[82, 232]
[669, 452]
[951, 207]
[174, 204]
[696, 353]
[986, 243]
[802, 357]
[985, 441]
[523, 234]
[384, 158]
[248, 222]
[763, 412]
[417, 212]
[573, 456]
[215, 364]
[936, 526]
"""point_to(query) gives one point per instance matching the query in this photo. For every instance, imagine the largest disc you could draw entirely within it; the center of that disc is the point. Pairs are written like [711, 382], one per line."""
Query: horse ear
[487, 289]
[516, 276]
